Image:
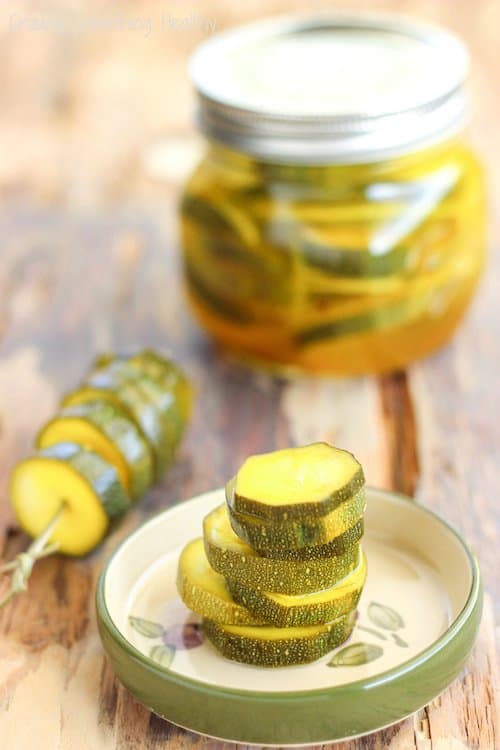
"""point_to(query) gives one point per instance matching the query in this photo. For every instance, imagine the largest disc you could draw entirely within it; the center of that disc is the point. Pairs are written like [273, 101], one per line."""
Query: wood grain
[96, 138]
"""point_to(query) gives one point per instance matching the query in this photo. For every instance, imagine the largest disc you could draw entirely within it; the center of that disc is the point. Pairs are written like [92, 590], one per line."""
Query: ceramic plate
[418, 618]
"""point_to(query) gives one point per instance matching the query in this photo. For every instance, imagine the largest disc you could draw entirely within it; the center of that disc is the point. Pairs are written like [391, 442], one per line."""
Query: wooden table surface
[95, 141]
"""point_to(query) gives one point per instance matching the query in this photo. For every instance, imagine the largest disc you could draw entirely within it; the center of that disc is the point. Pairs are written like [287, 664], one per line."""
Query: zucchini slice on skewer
[314, 608]
[161, 369]
[78, 483]
[131, 399]
[295, 483]
[278, 647]
[205, 592]
[278, 538]
[108, 431]
[168, 376]
[233, 558]
[130, 388]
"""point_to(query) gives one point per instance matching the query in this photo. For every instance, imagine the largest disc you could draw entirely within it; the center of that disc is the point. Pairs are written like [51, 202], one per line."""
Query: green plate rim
[364, 684]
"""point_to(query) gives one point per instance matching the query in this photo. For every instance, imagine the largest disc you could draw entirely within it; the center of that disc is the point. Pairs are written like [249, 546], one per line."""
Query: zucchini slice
[338, 546]
[322, 249]
[166, 390]
[315, 608]
[88, 486]
[277, 538]
[233, 558]
[394, 315]
[129, 387]
[278, 647]
[130, 398]
[168, 376]
[108, 431]
[295, 483]
[205, 592]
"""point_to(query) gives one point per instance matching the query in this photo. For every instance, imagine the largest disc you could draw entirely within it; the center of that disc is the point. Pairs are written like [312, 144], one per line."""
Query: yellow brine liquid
[334, 269]
[336, 224]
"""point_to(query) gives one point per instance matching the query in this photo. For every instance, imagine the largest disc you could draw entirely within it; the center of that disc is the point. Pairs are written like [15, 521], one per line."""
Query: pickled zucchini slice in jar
[296, 483]
[233, 558]
[315, 608]
[278, 538]
[267, 646]
[130, 399]
[69, 476]
[205, 592]
[107, 430]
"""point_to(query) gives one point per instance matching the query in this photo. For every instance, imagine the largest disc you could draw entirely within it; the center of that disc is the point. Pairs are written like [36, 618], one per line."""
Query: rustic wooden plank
[401, 432]
[98, 276]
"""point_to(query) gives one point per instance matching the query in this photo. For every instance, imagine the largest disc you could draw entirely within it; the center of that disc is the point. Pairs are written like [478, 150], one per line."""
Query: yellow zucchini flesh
[315, 608]
[107, 430]
[296, 483]
[278, 539]
[235, 559]
[268, 646]
[205, 592]
[83, 483]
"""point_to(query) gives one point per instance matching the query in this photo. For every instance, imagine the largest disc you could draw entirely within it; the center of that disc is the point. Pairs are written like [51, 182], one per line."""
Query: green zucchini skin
[169, 377]
[131, 400]
[298, 511]
[296, 611]
[273, 538]
[390, 316]
[116, 425]
[164, 387]
[337, 547]
[339, 261]
[213, 300]
[239, 562]
[98, 473]
[203, 599]
[238, 645]
[172, 421]
[126, 384]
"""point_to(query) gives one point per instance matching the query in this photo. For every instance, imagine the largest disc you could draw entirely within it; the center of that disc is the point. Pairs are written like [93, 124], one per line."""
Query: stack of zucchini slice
[278, 574]
[111, 440]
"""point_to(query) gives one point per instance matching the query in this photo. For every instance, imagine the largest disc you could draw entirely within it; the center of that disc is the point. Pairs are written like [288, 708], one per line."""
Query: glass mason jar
[333, 228]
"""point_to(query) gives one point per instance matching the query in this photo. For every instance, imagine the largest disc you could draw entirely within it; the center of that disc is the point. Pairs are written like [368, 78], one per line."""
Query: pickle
[278, 647]
[132, 401]
[295, 483]
[146, 366]
[69, 476]
[340, 261]
[339, 547]
[168, 376]
[314, 608]
[390, 316]
[277, 538]
[129, 386]
[205, 592]
[233, 558]
[108, 431]
[215, 302]
[220, 217]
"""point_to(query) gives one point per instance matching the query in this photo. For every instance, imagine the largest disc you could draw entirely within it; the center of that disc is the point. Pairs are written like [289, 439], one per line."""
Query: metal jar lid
[335, 89]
